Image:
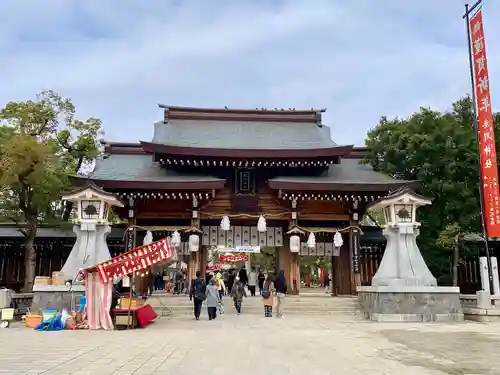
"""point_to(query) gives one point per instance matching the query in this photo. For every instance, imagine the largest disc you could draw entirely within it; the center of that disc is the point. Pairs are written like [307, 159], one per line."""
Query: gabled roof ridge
[288, 111]
[122, 148]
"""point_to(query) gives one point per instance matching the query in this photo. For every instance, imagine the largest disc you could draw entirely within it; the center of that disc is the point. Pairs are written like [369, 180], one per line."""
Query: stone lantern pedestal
[91, 228]
[403, 289]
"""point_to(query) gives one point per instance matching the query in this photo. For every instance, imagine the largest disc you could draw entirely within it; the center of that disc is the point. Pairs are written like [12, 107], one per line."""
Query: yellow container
[7, 314]
[48, 314]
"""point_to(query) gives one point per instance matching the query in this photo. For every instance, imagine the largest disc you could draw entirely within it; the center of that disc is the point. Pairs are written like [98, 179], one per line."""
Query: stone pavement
[241, 345]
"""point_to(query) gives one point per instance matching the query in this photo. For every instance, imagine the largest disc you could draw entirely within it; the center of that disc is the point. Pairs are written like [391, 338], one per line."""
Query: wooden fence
[52, 252]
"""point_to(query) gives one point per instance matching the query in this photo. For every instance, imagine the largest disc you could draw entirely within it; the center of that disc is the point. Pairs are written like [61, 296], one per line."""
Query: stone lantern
[403, 288]
[92, 206]
[402, 263]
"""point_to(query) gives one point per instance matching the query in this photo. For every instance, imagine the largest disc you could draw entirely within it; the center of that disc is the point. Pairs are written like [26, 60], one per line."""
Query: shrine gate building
[206, 164]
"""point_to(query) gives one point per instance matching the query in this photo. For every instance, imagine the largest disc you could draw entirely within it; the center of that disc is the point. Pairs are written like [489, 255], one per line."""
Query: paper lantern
[294, 243]
[225, 224]
[194, 242]
[261, 224]
[176, 239]
[311, 241]
[338, 240]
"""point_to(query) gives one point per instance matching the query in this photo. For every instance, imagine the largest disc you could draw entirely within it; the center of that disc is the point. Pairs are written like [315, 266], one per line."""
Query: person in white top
[252, 281]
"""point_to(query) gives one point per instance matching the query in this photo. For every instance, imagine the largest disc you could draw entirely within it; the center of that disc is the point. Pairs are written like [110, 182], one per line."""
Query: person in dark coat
[230, 280]
[260, 278]
[243, 276]
[197, 294]
[281, 290]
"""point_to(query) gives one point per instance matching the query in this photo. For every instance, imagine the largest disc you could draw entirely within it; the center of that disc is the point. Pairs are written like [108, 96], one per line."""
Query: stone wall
[413, 304]
[57, 300]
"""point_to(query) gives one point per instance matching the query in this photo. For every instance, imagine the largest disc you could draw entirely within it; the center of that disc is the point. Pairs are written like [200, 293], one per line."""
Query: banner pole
[476, 132]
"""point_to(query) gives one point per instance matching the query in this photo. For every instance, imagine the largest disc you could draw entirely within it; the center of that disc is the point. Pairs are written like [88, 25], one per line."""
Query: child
[221, 287]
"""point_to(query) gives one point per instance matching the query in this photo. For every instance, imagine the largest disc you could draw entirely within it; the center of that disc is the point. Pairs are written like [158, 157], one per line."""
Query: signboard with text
[485, 128]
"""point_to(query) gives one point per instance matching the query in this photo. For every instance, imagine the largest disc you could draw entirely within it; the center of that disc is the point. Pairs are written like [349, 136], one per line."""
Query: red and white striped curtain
[98, 302]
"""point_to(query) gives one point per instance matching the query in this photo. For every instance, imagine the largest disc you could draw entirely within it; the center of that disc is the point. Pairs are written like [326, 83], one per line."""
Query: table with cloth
[141, 316]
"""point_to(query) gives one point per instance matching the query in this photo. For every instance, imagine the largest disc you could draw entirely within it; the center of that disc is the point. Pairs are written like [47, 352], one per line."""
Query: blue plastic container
[48, 314]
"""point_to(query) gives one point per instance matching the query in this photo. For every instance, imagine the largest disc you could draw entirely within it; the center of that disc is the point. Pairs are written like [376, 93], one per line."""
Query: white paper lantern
[338, 241]
[261, 224]
[294, 243]
[225, 224]
[194, 242]
[311, 241]
[176, 239]
[148, 238]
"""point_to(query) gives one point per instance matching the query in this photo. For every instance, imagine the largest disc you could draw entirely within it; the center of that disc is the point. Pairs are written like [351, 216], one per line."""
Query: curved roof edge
[341, 186]
[246, 153]
[216, 184]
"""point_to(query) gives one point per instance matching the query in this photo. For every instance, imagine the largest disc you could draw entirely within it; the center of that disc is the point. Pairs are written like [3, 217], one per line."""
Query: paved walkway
[241, 345]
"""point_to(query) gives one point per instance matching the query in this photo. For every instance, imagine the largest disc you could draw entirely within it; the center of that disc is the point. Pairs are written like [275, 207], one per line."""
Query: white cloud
[118, 59]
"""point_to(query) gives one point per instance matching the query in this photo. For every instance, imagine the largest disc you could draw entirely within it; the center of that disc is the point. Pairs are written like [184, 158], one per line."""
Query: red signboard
[233, 258]
[486, 136]
[135, 260]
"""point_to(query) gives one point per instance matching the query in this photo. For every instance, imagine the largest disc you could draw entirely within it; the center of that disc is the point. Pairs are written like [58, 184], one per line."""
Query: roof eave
[246, 153]
[216, 184]
[340, 186]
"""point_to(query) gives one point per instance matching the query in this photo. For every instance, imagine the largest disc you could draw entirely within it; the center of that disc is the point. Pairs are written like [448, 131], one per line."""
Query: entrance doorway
[315, 273]
[266, 260]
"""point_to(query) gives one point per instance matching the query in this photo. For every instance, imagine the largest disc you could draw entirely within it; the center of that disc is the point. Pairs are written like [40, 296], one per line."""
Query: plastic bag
[64, 317]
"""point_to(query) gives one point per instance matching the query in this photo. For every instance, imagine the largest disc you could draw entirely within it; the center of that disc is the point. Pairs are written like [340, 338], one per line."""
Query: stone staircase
[305, 304]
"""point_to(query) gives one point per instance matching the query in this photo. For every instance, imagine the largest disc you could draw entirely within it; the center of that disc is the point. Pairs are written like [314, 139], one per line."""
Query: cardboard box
[43, 280]
[125, 301]
[58, 278]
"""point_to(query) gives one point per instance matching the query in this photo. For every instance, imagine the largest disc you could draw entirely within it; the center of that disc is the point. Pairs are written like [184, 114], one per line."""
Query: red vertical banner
[486, 132]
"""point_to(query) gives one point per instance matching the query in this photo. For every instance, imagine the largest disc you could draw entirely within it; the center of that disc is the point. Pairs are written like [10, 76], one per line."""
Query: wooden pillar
[295, 272]
[202, 260]
[285, 263]
[194, 260]
[354, 245]
[293, 276]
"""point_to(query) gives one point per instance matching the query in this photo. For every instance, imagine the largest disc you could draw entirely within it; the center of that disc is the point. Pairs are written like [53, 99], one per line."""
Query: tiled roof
[349, 173]
[240, 135]
[142, 169]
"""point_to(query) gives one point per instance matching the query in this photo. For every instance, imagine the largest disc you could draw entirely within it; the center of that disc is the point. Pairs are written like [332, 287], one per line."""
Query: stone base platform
[55, 297]
[410, 303]
[481, 315]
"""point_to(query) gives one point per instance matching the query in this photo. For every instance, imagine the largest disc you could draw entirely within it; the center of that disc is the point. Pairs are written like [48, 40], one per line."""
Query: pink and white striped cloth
[98, 297]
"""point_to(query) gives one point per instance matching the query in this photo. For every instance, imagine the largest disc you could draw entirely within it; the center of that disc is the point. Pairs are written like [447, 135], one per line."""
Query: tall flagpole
[466, 16]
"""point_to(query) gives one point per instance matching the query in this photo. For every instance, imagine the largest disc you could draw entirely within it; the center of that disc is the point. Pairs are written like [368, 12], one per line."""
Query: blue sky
[118, 59]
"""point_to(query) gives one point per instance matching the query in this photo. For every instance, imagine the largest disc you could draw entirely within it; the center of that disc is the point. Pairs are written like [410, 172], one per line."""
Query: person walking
[243, 275]
[260, 278]
[327, 281]
[221, 287]
[230, 279]
[238, 292]
[281, 290]
[178, 282]
[197, 294]
[213, 299]
[267, 296]
[252, 281]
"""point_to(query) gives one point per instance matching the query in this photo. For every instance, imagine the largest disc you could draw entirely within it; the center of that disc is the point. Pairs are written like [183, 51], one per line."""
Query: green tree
[41, 143]
[439, 150]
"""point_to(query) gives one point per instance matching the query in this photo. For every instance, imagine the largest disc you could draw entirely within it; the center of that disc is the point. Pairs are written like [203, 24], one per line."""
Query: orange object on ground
[32, 321]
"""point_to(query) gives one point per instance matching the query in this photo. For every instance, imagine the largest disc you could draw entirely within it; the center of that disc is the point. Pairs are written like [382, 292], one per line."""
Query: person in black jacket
[243, 276]
[281, 290]
[197, 294]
